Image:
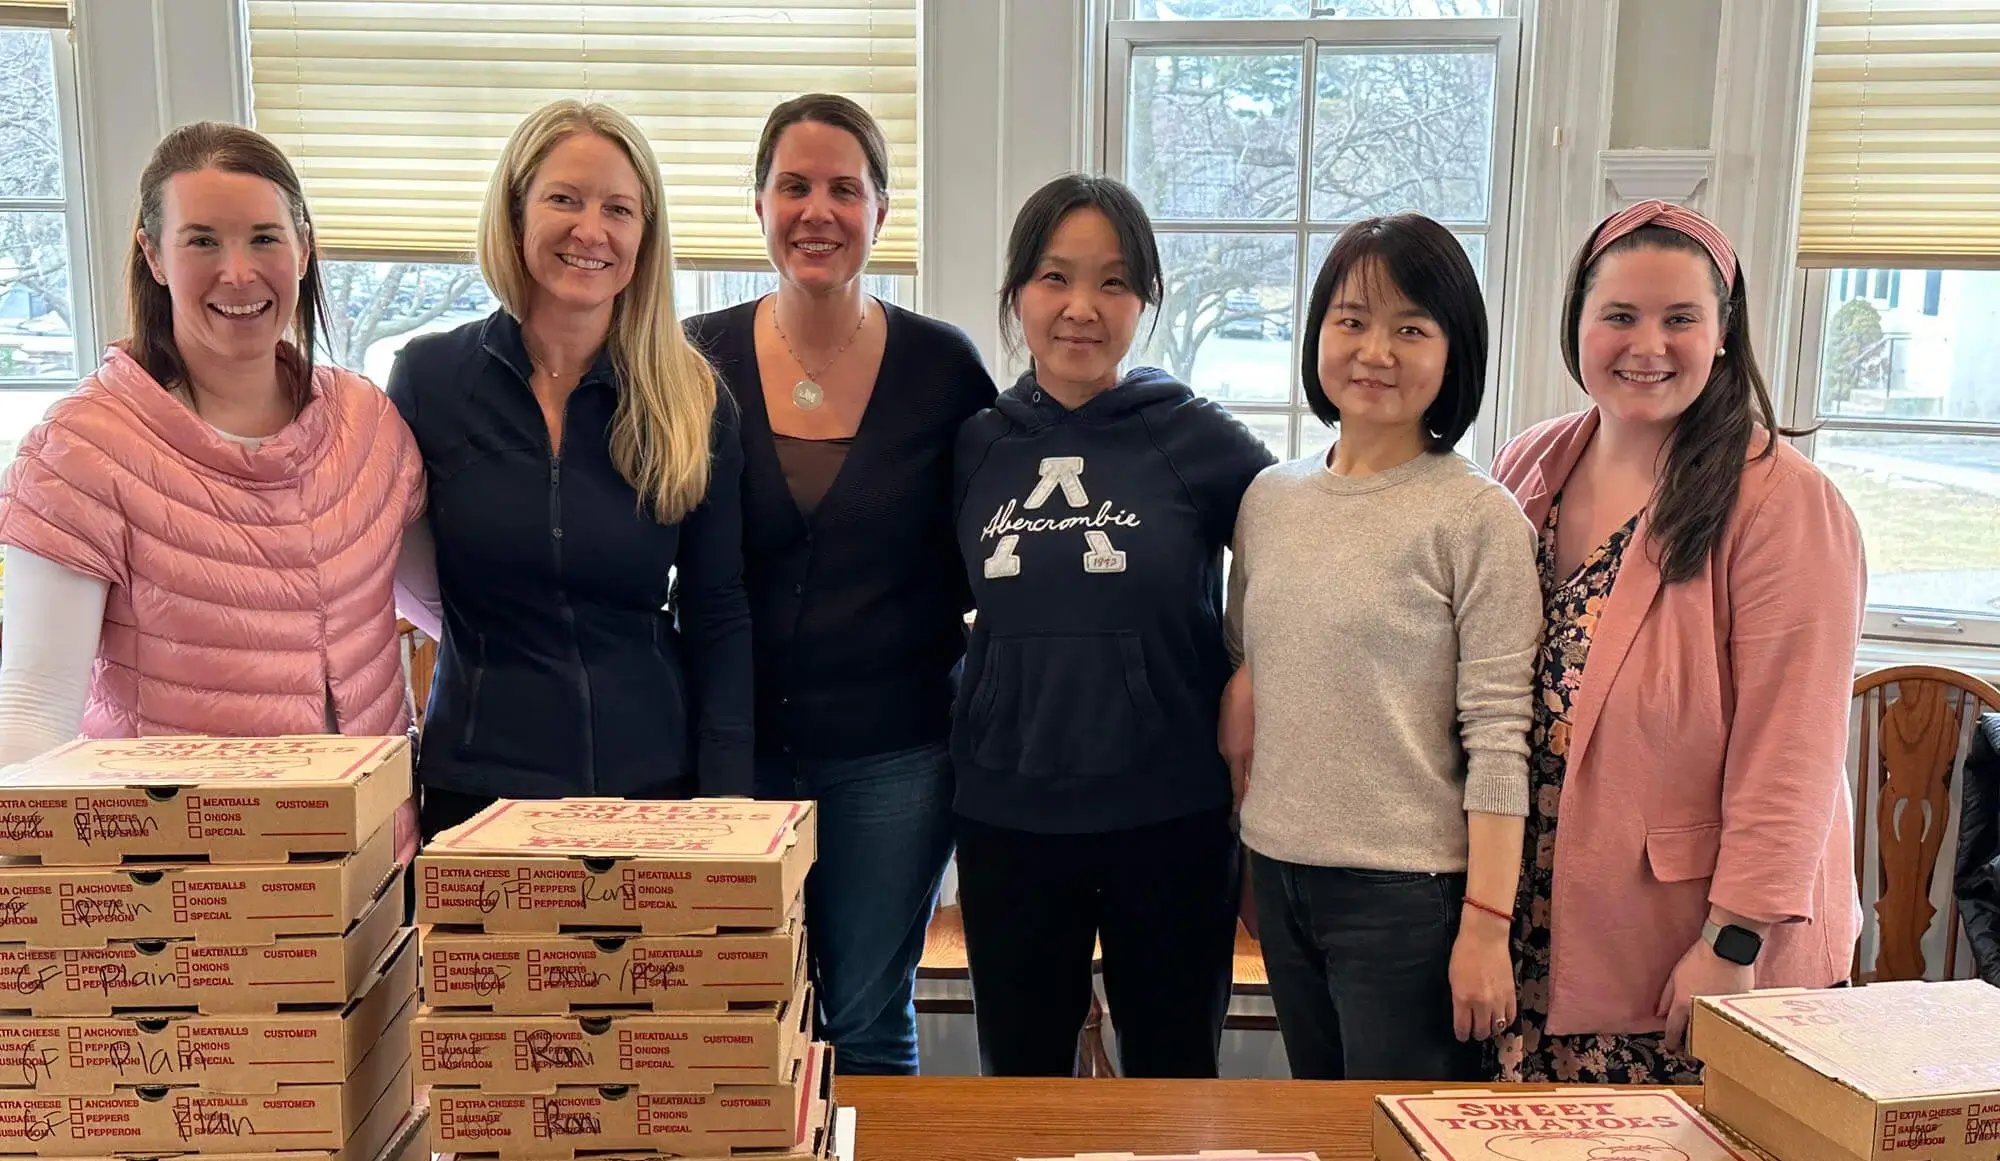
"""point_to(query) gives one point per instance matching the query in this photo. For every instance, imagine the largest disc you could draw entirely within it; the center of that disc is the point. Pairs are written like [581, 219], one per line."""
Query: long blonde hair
[666, 391]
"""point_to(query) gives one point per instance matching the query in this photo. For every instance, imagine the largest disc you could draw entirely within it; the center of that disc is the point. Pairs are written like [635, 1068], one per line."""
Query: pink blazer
[1707, 756]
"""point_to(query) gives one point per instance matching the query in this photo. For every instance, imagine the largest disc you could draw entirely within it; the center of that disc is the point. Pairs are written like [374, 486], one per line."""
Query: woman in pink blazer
[1703, 586]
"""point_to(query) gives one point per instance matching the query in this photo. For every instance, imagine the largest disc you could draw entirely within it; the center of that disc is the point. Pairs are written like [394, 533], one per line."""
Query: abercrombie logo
[1064, 474]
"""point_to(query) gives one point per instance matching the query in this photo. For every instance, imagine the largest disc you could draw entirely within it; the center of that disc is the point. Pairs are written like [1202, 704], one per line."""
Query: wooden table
[996, 1119]
[1000, 1119]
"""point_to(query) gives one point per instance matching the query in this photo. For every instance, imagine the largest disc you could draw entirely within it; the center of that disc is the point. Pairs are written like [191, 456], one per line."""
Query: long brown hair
[231, 149]
[1711, 440]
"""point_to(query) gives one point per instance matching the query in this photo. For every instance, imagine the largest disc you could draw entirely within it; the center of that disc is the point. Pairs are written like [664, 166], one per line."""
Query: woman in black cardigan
[849, 410]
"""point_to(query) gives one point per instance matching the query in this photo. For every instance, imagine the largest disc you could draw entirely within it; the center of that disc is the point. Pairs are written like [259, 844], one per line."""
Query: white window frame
[1126, 36]
[83, 320]
[1893, 625]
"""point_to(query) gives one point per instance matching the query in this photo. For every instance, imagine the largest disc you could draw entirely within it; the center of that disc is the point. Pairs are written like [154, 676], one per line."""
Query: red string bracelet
[1495, 912]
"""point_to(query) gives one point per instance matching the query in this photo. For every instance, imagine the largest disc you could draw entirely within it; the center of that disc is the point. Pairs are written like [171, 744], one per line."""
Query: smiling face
[231, 258]
[1648, 333]
[1079, 310]
[583, 223]
[819, 207]
[1381, 357]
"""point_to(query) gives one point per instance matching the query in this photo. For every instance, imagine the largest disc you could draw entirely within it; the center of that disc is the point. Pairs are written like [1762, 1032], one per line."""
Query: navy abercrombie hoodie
[1093, 540]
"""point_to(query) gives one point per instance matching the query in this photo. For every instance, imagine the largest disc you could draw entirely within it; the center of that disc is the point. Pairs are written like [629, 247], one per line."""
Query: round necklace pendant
[807, 395]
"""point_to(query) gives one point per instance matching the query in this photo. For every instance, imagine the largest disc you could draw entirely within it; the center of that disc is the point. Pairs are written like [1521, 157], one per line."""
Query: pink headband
[1673, 217]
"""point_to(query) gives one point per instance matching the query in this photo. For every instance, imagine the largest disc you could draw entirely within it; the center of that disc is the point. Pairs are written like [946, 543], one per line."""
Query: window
[395, 117]
[45, 338]
[1255, 136]
[373, 308]
[1900, 366]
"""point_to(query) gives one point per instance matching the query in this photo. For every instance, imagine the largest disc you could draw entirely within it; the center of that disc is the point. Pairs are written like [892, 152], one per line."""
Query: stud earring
[1721, 351]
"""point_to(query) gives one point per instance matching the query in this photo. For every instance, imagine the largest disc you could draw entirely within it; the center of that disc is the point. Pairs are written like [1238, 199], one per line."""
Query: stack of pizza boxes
[203, 950]
[1906, 1071]
[614, 976]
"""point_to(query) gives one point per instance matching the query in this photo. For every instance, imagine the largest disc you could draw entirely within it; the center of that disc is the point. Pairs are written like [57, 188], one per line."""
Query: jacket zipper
[563, 607]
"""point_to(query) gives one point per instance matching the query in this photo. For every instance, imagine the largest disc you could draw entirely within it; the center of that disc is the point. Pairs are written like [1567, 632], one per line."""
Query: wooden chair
[1912, 740]
[944, 959]
[419, 663]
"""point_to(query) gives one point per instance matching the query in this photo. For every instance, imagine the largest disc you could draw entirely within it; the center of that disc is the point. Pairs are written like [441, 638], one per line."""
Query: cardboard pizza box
[651, 1052]
[183, 1118]
[225, 800]
[392, 1131]
[211, 978]
[88, 907]
[653, 868]
[1206, 1155]
[95, 1054]
[1573, 1124]
[580, 1119]
[1889, 1072]
[556, 972]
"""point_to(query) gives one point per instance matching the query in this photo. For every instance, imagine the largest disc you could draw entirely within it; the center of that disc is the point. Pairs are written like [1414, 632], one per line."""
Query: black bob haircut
[1045, 209]
[1429, 267]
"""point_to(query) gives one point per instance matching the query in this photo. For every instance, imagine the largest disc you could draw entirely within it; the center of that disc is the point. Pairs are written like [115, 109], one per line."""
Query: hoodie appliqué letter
[1064, 473]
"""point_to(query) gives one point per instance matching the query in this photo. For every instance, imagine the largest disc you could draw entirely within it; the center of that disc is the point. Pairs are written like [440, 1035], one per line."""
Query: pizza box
[202, 1119]
[225, 800]
[556, 972]
[95, 1054]
[572, 1120]
[1890, 1072]
[648, 1051]
[87, 907]
[1208, 1155]
[392, 1131]
[214, 978]
[646, 867]
[1570, 1124]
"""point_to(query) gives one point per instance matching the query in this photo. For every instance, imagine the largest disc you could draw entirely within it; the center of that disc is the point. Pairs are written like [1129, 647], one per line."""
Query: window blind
[1903, 135]
[395, 113]
[35, 13]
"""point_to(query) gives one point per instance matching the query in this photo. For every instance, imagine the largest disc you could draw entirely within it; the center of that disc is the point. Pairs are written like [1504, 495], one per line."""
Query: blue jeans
[884, 837]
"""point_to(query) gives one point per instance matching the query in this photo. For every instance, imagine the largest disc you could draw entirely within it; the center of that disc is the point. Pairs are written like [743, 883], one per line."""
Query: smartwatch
[1738, 945]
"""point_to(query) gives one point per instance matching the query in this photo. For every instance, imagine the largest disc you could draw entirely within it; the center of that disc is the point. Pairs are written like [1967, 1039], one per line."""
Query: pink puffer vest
[244, 583]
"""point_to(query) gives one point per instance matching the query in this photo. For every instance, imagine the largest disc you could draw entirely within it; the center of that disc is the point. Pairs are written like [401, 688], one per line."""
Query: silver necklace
[807, 394]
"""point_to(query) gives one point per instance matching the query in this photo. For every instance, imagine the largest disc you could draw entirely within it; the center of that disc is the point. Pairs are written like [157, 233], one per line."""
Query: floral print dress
[1526, 1051]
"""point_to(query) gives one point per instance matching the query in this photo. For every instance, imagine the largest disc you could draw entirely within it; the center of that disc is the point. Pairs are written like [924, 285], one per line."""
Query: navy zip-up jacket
[562, 670]
[1093, 543]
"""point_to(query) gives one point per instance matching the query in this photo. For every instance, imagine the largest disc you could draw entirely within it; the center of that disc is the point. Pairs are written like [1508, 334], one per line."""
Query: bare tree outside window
[37, 328]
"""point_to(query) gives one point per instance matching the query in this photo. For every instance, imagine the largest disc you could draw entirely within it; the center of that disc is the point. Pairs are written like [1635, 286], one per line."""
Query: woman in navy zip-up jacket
[584, 472]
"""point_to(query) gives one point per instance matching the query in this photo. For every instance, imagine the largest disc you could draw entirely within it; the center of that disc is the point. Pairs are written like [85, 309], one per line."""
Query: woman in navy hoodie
[1093, 804]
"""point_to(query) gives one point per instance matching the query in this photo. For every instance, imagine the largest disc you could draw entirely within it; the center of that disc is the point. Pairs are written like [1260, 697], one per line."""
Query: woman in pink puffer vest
[203, 538]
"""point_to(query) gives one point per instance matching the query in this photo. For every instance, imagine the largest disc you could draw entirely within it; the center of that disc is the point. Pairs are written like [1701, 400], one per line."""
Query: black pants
[1161, 899]
[1360, 971]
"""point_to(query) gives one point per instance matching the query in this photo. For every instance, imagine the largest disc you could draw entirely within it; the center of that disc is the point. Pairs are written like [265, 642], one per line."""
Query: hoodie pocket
[1052, 706]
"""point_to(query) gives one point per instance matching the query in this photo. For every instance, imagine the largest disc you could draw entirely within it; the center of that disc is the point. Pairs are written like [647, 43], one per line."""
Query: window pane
[1274, 430]
[1226, 326]
[373, 308]
[30, 129]
[1402, 131]
[1322, 244]
[1223, 9]
[36, 336]
[1215, 135]
[1293, 9]
[1930, 352]
[1929, 507]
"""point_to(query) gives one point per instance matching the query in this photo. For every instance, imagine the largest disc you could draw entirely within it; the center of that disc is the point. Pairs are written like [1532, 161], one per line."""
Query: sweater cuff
[1496, 782]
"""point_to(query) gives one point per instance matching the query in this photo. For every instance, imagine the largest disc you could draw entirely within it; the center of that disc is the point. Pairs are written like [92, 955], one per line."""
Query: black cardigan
[560, 673]
[857, 614]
